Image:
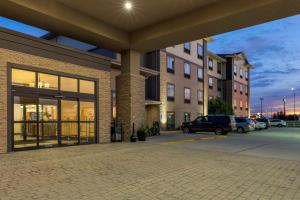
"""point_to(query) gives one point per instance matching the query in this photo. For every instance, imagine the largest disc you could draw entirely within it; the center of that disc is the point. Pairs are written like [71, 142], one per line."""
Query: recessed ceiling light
[128, 5]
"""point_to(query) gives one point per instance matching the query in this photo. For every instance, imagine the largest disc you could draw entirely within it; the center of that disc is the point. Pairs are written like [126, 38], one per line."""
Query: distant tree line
[280, 115]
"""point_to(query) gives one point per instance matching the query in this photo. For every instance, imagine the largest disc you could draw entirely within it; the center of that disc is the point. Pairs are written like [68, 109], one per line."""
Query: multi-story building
[182, 83]
[237, 83]
[216, 71]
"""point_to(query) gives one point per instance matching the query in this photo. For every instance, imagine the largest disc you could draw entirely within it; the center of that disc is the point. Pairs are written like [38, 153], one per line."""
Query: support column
[130, 90]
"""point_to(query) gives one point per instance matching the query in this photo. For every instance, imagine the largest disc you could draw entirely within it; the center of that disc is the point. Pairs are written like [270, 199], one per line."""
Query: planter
[142, 135]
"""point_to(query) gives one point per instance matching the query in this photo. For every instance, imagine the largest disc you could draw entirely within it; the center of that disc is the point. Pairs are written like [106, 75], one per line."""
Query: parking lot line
[220, 137]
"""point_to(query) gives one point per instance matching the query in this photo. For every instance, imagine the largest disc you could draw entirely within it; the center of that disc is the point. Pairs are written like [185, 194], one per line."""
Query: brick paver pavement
[144, 172]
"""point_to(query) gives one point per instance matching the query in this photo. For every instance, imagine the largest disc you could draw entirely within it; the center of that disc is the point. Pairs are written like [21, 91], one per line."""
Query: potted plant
[141, 134]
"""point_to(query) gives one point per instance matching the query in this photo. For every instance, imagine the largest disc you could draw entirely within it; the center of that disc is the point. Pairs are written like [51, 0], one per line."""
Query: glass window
[235, 69]
[114, 104]
[234, 103]
[170, 90]
[47, 81]
[87, 87]
[219, 68]
[25, 109]
[200, 73]
[23, 78]
[187, 68]
[241, 103]
[200, 96]
[68, 84]
[87, 111]
[246, 74]
[187, 93]
[69, 110]
[48, 109]
[200, 50]
[170, 63]
[241, 72]
[234, 86]
[241, 88]
[187, 47]
[210, 63]
[210, 81]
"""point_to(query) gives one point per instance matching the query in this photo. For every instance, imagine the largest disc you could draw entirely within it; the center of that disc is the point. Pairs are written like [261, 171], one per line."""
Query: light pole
[261, 105]
[284, 100]
[293, 90]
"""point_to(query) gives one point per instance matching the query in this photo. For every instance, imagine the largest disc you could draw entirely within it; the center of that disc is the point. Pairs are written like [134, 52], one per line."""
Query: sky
[272, 48]
[274, 51]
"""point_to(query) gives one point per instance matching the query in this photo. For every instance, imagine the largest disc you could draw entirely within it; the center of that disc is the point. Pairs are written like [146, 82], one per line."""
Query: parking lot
[258, 165]
[282, 143]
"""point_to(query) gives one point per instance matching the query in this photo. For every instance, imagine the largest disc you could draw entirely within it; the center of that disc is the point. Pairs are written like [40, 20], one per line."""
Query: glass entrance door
[48, 122]
[25, 127]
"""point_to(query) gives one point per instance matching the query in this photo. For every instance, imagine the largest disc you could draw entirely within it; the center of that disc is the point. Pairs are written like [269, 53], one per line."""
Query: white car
[260, 125]
[277, 122]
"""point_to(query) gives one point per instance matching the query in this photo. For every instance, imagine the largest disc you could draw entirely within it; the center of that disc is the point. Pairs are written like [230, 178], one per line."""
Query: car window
[204, 119]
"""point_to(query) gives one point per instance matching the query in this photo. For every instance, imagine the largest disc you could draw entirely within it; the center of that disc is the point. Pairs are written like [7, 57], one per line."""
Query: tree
[218, 106]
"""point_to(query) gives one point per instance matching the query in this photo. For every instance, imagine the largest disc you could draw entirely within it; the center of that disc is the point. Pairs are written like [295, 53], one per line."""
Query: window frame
[200, 98]
[187, 49]
[210, 84]
[199, 46]
[202, 74]
[187, 75]
[187, 100]
[171, 70]
[210, 67]
[170, 98]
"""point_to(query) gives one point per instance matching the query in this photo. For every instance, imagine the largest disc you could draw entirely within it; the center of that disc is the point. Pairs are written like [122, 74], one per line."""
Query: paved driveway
[167, 167]
[282, 143]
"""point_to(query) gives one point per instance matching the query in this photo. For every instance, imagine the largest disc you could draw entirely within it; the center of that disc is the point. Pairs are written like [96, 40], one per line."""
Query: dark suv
[220, 124]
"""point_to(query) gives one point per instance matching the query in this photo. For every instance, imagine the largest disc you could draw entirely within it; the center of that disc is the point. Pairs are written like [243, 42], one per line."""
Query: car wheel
[280, 125]
[240, 130]
[219, 131]
[186, 130]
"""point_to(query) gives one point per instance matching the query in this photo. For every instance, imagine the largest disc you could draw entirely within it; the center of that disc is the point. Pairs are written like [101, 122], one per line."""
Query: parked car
[244, 125]
[260, 125]
[219, 124]
[277, 122]
[265, 120]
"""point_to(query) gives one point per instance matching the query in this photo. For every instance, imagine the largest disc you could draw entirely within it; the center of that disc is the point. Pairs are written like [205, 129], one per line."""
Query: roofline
[216, 56]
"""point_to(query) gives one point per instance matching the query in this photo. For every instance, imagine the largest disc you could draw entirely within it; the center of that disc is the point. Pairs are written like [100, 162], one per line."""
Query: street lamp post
[261, 105]
[284, 100]
[293, 90]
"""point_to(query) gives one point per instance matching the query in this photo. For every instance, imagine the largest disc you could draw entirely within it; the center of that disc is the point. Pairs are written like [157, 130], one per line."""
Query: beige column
[130, 90]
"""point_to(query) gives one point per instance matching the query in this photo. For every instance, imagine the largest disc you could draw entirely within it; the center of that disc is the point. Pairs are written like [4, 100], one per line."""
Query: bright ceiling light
[128, 5]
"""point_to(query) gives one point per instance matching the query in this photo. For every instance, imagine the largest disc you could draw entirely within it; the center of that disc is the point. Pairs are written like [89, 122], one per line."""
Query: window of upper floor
[246, 75]
[200, 97]
[210, 82]
[170, 64]
[210, 64]
[219, 68]
[235, 70]
[187, 47]
[200, 51]
[170, 92]
[241, 88]
[234, 87]
[241, 73]
[200, 74]
[187, 95]
[187, 70]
